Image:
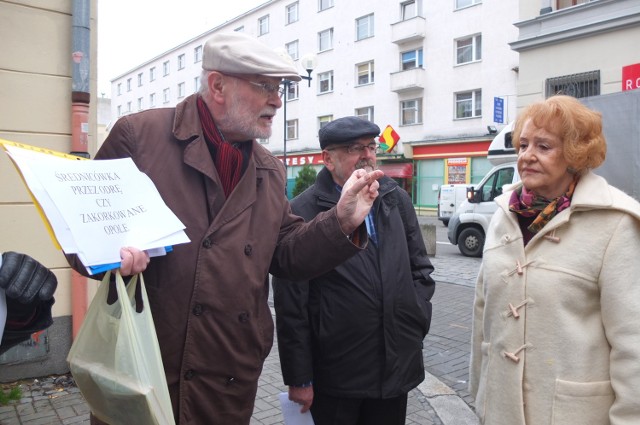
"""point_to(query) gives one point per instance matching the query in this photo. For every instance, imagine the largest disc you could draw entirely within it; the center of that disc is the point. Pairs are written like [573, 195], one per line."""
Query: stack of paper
[94, 208]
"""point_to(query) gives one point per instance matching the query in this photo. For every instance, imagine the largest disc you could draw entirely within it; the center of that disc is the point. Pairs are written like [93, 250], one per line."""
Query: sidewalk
[441, 399]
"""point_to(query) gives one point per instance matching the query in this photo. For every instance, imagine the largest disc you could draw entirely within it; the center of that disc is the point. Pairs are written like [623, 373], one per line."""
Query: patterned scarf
[227, 158]
[528, 204]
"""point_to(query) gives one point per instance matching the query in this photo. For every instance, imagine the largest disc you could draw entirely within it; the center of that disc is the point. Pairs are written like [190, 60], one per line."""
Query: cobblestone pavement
[56, 401]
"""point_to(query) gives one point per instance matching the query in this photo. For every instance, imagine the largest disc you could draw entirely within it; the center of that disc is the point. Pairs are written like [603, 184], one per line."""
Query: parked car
[450, 197]
[469, 223]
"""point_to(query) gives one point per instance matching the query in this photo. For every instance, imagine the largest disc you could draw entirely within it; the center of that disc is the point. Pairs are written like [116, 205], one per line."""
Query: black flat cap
[346, 130]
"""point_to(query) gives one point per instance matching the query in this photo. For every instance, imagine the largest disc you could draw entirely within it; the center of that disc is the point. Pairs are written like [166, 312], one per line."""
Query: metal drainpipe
[80, 98]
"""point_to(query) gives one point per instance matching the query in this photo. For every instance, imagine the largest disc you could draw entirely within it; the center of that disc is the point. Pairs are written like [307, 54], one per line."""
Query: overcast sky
[131, 32]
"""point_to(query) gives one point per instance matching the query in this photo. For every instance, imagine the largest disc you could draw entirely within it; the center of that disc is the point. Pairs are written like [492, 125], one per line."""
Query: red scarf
[227, 158]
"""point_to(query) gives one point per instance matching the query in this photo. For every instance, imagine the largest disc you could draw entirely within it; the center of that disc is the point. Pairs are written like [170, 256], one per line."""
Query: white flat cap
[238, 53]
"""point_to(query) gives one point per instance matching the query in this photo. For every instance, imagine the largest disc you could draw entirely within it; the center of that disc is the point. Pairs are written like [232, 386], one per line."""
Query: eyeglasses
[357, 148]
[266, 88]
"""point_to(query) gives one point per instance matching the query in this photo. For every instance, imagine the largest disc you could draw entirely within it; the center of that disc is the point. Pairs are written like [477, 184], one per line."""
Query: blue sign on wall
[498, 110]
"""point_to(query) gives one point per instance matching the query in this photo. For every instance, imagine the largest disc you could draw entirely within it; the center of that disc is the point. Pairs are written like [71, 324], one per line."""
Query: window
[140, 79]
[412, 59]
[181, 60]
[324, 4]
[263, 141]
[364, 27]
[365, 73]
[469, 49]
[464, 3]
[408, 10]
[152, 74]
[197, 54]
[365, 113]
[119, 89]
[181, 90]
[152, 100]
[292, 49]
[239, 29]
[324, 120]
[494, 184]
[166, 95]
[196, 84]
[577, 85]
[139, 104]
[128, 84]
[129, 107]
[119, 110]
[292, 13]
[325, 40]
[411, 112]
[469, 104]
[292, 91]
[292, 129]
[165, 68]
[263, 25]
[325, 82]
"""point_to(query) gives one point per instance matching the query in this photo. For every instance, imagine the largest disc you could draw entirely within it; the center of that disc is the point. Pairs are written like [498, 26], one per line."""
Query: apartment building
[431, 70]
[579, 47]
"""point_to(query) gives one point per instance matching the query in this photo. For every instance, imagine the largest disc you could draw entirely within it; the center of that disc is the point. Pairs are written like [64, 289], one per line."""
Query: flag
[388, 139]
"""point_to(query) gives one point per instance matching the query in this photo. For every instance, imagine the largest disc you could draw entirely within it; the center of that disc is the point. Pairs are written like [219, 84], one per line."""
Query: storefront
[401, 172]
[447, 162]
[433, 164]
[295, 162]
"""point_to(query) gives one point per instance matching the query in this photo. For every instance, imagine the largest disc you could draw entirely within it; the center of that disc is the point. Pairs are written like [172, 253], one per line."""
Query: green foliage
[14, 394]
[306, 177]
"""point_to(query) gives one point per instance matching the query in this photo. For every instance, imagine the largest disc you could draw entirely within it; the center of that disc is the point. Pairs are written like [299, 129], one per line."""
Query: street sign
[498, 110]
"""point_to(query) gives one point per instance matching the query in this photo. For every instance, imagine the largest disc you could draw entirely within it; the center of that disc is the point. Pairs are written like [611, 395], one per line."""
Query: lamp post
[308, 62]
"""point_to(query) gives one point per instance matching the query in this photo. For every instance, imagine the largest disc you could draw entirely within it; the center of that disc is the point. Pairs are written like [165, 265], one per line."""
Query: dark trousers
[328, 410]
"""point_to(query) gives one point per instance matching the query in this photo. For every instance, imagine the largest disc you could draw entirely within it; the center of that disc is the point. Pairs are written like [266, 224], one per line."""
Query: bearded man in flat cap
[350, 340]
[209, 297]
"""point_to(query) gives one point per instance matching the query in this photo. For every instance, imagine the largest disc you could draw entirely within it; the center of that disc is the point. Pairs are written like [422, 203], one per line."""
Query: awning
[399, 170]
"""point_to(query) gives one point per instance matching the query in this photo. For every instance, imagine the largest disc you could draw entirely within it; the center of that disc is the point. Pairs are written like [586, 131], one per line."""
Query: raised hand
[358, 194]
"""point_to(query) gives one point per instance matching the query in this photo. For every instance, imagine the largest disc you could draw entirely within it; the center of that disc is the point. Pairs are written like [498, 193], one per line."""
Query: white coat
[556, 327]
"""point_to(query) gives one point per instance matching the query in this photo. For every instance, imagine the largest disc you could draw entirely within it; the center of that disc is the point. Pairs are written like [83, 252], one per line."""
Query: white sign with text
[97, 207]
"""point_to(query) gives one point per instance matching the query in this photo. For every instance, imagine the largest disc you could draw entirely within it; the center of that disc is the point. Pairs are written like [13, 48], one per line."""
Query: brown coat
[209, 297]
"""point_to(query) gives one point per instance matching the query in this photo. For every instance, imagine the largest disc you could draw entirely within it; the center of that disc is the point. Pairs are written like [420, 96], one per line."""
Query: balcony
[411, 79]
[409, 30]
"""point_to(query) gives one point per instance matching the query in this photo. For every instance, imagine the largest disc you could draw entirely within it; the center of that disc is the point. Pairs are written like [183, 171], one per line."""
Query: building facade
[582, 48]
[433, 71]
[47, 78]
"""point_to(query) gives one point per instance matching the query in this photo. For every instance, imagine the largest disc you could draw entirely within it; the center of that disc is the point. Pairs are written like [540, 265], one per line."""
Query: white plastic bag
[115, 359]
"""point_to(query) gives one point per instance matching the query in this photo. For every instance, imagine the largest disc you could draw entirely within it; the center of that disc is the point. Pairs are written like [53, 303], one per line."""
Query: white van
[468, 225]
[449, 199]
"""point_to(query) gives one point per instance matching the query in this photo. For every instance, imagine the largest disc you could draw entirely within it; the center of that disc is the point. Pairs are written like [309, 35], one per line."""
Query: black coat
[357, 330]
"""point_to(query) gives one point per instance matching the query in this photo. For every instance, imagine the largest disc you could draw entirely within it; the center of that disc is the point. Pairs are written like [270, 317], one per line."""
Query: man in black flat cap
[350, 340]
[209, 297]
